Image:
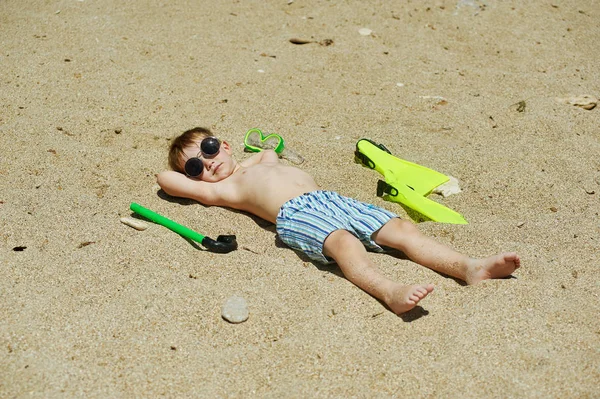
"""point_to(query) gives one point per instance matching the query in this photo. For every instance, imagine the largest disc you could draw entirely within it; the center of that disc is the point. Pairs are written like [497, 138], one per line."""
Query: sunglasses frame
[196, 163]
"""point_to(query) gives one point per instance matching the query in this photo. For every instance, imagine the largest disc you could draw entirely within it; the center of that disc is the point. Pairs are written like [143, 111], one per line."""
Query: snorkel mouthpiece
[222, 245]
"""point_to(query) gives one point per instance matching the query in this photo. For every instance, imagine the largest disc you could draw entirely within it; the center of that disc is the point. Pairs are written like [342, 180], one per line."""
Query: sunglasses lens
[210, 146]
[193, 167]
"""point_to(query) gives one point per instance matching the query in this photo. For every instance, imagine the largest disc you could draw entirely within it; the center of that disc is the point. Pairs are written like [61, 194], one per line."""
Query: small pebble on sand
[235, 310]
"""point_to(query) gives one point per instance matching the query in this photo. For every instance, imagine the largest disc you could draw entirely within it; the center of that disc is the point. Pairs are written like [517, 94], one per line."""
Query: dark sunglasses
[209, 148]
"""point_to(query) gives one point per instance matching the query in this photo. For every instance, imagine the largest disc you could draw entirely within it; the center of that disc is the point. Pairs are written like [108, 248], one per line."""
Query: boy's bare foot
[405, 297]
[497, 266]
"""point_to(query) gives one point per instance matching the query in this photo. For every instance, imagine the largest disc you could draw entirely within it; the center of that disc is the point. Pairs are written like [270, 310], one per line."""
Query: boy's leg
[406, 237]
[351, 255]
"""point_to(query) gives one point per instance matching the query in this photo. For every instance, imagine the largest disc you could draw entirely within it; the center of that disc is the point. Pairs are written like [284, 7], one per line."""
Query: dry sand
[91, 94]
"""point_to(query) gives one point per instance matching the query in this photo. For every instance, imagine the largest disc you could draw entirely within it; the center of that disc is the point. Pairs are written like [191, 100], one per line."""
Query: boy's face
[216, 168]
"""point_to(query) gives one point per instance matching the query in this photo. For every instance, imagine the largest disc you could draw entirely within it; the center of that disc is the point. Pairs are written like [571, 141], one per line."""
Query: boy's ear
[226, 146]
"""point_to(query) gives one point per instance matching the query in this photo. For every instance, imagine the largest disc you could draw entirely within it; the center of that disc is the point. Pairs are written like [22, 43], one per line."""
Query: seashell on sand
[135, 223]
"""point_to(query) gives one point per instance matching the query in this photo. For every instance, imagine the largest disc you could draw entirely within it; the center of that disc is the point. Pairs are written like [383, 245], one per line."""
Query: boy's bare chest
[263, 180]
[265, 176]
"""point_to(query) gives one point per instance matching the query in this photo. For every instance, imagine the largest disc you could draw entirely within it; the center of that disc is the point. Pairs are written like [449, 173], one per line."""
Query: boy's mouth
[216, 168]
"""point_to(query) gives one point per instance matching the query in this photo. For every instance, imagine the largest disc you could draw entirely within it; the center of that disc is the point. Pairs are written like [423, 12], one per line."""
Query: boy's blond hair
[186, 139]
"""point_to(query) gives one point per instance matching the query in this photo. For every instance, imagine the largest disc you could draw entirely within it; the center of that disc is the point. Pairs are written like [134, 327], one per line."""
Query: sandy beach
[92, 92]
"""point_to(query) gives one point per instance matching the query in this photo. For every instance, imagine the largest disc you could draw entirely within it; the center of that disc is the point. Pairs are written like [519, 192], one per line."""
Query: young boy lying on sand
[323, 224]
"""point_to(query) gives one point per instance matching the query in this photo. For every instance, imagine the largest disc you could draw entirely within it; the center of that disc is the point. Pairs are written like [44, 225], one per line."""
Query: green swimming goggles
[209, 148]
[256, 141]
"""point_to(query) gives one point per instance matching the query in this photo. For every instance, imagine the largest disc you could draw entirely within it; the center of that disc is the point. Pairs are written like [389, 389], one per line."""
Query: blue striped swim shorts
[304, 222]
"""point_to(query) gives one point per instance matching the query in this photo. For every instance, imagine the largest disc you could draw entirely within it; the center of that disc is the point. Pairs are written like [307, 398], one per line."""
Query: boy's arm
[265, 156]
[179, 185]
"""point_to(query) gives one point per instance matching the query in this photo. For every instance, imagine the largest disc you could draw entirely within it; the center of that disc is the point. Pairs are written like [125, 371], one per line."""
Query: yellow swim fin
[405, 182]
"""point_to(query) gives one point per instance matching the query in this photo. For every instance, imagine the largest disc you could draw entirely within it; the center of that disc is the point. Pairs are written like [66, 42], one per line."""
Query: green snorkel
[223, 244]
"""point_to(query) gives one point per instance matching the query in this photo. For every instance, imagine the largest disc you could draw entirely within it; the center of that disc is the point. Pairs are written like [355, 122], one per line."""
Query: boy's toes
[421, 292]
[405, 297]
[426, 289]
[514, 258]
